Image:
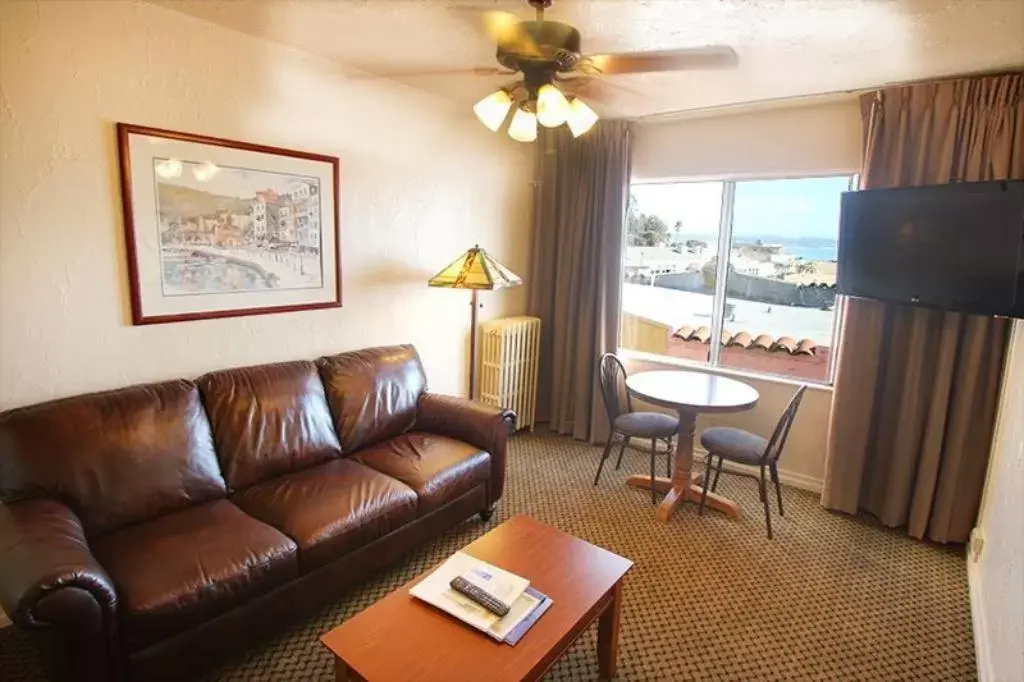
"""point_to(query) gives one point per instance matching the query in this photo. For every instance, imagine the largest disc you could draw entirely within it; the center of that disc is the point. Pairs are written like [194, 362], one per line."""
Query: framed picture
[219, 228]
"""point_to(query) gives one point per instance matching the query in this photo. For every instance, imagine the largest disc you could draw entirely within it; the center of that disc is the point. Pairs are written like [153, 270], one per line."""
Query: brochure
[527, 604]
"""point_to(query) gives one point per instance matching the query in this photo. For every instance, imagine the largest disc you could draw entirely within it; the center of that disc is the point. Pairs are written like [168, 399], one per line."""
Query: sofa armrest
[482, 426]
[43, 550]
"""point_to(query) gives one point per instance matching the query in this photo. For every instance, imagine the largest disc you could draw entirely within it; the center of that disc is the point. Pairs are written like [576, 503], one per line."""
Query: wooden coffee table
[402, 638]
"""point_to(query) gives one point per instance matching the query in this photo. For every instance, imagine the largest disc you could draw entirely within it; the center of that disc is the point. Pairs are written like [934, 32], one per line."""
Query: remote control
[471, 591]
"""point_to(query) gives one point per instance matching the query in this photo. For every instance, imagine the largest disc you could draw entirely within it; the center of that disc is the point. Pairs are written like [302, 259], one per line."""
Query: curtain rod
[1002, 71]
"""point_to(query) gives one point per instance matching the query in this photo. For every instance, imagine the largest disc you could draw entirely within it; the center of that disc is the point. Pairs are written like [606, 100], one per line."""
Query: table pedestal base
[688, 393]
[674, 498]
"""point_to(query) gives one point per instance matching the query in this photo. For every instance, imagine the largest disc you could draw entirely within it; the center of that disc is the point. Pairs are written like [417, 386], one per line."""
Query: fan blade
[371, 71]
[712, 57]
[592, 89]
[504, 28]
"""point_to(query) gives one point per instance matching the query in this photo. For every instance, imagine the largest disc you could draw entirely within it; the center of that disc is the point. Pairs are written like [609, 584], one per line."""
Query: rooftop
[678, 309]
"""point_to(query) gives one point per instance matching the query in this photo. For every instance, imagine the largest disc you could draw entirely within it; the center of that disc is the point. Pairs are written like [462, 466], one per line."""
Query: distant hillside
[184, 202]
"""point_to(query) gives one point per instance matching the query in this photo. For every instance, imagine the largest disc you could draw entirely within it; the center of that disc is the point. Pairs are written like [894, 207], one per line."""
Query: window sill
[681, 363]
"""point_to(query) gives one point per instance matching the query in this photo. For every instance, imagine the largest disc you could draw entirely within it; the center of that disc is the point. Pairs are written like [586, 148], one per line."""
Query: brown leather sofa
[150, 529]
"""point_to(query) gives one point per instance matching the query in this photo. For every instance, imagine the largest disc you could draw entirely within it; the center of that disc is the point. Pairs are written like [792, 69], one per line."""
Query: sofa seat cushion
[330, 509]
[185, 568]
[438, 468]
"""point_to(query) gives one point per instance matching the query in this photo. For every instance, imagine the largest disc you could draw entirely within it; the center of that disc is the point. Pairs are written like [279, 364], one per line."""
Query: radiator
[508, 366]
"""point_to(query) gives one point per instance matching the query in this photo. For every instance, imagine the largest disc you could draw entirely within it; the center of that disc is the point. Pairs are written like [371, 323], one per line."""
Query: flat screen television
[955, 247]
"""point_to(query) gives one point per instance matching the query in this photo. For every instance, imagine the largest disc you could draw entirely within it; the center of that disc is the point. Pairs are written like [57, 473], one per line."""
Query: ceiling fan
[554, 72]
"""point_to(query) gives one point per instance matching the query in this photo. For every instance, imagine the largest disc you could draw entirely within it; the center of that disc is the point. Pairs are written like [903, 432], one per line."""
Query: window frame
[726, 213]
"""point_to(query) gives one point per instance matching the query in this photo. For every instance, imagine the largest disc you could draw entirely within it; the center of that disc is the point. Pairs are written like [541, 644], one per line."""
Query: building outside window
[737, 274]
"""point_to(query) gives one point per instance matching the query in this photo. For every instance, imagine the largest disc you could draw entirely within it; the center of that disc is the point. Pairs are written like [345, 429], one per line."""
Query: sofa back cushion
[372, 393]
[268, 420]
[114, 458]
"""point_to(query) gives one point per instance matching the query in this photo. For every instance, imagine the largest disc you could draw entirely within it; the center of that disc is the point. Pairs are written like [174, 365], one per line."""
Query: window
[735, 274]
[671, 235]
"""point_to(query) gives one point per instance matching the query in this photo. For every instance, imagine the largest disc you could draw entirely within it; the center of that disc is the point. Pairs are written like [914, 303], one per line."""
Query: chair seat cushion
[734, 444]
[330, 509]
[438, 468]
[188, 567]
[647, 424]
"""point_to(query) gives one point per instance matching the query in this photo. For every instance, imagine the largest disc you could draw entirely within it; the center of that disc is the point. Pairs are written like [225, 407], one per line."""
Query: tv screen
[956, 247]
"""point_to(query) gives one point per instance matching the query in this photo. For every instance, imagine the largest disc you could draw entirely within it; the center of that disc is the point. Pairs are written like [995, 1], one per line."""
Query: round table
[689, 394]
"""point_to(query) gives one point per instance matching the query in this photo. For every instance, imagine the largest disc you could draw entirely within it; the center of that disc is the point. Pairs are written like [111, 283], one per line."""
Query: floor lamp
[475, 270]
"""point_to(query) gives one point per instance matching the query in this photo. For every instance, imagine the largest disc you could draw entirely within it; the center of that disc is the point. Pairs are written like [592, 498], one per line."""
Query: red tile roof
[748, 341]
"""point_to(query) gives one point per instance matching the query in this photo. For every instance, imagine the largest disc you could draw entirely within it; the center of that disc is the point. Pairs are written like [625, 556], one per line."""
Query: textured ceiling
[787, 48]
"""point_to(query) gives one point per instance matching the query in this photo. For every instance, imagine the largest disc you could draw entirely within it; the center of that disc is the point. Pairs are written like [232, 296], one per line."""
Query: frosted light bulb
[552, 107]
[581, 117]
[523, 127]
[491, 110]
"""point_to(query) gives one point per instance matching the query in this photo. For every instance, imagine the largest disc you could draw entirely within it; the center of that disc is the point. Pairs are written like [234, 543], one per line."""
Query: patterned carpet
[830, 598]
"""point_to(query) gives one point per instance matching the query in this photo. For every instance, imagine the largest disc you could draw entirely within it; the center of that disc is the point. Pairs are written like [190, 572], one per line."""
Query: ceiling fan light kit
[581, 117]
[552, 106]
[523, 127]
[554, 72]
[493, 109]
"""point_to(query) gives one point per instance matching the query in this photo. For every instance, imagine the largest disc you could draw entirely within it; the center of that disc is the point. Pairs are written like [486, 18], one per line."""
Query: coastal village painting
[226, 229]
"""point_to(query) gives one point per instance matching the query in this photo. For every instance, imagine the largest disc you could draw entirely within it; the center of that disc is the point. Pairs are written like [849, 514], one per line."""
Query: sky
[789, 209]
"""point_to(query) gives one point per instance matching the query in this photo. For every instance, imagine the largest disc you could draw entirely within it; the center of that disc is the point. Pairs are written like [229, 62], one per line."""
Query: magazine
[526, 604]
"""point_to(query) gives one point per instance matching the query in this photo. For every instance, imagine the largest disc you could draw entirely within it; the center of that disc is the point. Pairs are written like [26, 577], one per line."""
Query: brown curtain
[916, 390]
[576, 286]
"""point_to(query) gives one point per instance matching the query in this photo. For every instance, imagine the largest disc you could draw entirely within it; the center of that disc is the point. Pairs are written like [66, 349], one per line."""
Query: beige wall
[807, 139]
[996, 564]
[421, 182]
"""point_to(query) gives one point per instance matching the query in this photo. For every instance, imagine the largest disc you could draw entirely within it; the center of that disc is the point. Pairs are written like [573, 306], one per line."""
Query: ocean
[808, 248]
[813, 252]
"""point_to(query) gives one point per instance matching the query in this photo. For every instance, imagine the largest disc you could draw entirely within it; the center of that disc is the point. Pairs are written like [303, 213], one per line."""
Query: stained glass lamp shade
[476, 269]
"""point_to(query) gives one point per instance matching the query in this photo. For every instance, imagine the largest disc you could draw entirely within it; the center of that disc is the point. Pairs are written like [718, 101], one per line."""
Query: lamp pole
[474, 303]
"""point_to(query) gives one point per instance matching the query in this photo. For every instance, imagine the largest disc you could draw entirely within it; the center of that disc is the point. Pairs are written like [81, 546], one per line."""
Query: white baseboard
[790, 478]
[981, 648]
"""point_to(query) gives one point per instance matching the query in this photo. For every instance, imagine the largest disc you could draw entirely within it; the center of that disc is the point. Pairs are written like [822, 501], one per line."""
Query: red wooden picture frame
[139, 317]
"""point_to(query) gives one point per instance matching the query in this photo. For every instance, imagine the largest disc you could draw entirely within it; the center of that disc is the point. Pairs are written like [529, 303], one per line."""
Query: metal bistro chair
[629, 424]
[743, 447]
